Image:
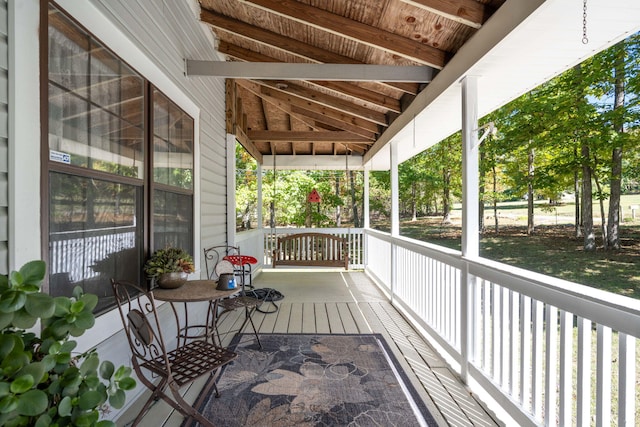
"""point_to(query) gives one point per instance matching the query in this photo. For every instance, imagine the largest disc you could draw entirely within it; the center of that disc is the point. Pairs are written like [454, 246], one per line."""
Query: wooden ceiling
[329, 117]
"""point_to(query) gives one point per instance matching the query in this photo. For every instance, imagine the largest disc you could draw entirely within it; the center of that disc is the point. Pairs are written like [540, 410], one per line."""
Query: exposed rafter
[345, 88]
[467, 12]
[286, 44]
[292, 62]
[354, 30]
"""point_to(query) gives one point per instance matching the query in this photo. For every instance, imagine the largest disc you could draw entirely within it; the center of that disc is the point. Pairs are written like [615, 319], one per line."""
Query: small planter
[172, 280]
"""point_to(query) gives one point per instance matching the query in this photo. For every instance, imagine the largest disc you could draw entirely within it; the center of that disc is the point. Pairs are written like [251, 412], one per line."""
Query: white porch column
[395, 215]
[231, 189]
[395, 190]
[259, 187]
[470, 212]
[365, 214]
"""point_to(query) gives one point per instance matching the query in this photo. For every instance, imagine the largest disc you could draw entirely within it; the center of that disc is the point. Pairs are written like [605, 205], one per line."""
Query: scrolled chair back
[140, 319]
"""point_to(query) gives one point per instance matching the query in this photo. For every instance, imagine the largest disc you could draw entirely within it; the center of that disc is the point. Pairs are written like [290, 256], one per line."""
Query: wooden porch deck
[339, 302]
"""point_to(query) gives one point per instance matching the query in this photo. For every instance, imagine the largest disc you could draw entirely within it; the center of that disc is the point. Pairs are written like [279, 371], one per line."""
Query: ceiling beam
[328, 111]
[286, 44]
[345, 88]
[306, 136]
[319, 117]
[300, 162]
[354, 30]
[467, 12]
[328, 101]
[309, 113]
[301, 71]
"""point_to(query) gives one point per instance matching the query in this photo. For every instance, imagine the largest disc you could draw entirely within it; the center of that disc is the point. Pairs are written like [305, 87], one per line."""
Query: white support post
[231, 189]
[365, 216]
[366, 208]
[395, 214]
[470, 212]
[259, 185]
[470, 168]
[395, 190]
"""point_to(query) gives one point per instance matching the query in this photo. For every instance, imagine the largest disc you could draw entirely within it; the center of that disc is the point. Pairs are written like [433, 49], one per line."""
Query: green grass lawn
[552, 250]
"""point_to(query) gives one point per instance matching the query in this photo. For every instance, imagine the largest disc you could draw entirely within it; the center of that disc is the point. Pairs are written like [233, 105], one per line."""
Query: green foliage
[42, 382]
[168, 260]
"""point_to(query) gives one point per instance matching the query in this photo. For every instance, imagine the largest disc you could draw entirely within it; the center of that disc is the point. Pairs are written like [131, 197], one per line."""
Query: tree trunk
[587, 201]
[354, 204]
[603, 219]
[615, 183]
[414, 207]
[446, 196]
[338, 208]
[531, 170]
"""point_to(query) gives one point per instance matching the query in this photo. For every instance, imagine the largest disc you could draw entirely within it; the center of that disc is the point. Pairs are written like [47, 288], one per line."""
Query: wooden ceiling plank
[281, 105]
[333, 122]
[305, 136]
[288, 45]
[467, 12]
[362, 94]
[330, 112]
[354, 30]
[309, 113]
[327, 101]
[348, 89]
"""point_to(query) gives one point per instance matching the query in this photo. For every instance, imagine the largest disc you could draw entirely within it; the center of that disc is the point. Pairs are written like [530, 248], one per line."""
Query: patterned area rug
[315, 380]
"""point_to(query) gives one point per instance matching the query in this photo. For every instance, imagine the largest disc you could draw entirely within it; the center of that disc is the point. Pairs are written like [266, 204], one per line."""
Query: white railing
[354, 237]
[490, 321]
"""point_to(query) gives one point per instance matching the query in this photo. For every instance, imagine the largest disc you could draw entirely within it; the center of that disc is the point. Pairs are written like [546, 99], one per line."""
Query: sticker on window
[57, 156]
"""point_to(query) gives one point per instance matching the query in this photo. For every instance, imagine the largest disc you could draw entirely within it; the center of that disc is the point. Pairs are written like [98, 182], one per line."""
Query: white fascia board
[329, 72]
[308, 162]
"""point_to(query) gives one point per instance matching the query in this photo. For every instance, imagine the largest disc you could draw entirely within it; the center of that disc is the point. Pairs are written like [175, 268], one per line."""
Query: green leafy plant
[42, 382]
[168, 260]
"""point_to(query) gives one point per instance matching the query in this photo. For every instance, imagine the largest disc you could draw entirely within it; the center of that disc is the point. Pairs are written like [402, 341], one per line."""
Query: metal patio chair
[216, 264]
[157, 367]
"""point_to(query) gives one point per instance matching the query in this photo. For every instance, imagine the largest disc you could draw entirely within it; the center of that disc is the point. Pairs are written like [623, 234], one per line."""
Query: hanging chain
[585, 39]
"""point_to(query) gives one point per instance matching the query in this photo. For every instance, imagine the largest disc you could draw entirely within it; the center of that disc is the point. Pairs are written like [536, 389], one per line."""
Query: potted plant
[169, 267]
[42, 382]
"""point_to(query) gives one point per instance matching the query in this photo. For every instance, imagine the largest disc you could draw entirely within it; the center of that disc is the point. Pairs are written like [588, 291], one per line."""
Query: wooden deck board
[335, 323]
[348, 302]
[322, 319]
[308, 318]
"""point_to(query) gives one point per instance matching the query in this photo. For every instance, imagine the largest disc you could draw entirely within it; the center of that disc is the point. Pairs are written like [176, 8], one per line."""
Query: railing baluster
[551, 367]
[627, 381]
[496, 331]
[525, 350]
[603, 377]
[566, 368]
[537, 392]
[505, 328]
[514, 314]
[583, 398]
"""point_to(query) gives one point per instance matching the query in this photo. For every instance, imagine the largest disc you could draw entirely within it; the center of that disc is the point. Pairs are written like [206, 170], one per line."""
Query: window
[120, 168]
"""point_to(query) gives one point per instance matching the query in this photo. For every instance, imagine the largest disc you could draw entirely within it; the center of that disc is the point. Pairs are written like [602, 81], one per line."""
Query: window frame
[154, 79]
